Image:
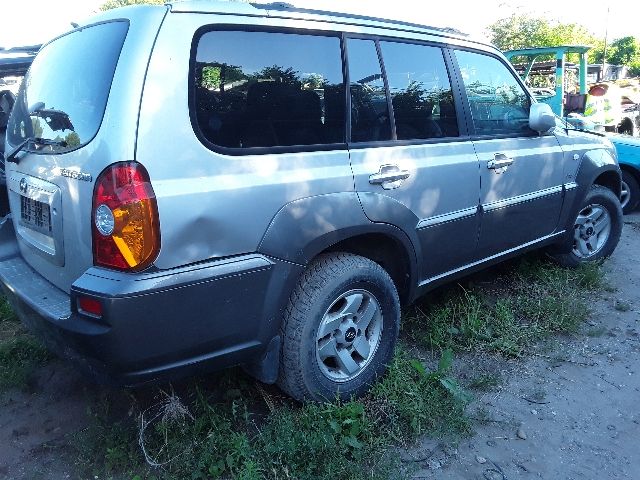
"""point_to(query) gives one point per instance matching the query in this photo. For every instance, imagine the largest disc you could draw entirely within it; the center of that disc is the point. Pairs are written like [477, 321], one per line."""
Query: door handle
[500, 161]
[389, 177]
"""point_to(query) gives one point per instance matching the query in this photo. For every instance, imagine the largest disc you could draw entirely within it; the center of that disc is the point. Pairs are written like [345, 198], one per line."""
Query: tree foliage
[625, 51]
[110, 4]
[525, 31]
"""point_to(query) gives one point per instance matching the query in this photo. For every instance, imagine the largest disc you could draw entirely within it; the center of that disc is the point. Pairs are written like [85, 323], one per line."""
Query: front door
[407, 150]
[521, 172]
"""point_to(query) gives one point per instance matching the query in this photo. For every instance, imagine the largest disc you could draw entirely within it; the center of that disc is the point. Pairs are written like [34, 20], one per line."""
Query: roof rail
[287, 7]
[26, 49]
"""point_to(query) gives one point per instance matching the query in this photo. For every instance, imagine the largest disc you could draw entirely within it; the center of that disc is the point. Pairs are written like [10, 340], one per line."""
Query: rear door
[409, 152]
[521, 172]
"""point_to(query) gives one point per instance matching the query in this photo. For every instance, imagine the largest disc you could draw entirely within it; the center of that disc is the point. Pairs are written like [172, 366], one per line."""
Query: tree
[109, 4]
[524, 31]
[624, 51]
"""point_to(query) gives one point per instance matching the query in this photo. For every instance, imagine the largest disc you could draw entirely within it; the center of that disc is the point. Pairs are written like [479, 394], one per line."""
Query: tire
[597, 229]
[631, 192]
[337, 294]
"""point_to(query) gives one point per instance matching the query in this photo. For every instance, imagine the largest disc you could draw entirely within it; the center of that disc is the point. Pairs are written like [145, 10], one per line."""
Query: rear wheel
[596, 229]
[630, 196]
[339, 329]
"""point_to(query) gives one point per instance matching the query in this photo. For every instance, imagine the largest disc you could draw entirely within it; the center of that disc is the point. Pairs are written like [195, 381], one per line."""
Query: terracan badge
[85, 177]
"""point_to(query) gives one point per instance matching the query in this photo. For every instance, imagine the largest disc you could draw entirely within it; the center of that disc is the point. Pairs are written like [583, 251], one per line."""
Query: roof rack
[287, 7]
[25, 49]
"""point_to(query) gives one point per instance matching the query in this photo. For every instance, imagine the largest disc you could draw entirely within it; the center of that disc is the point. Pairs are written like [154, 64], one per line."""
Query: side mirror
[541, 117]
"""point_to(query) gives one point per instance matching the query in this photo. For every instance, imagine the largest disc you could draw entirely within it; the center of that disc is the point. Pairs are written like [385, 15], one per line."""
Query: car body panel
[237, 230]
[441, 192]
[523, 200]
[115, 141]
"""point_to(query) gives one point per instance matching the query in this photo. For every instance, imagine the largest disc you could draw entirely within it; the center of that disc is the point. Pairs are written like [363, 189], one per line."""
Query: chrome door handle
[389, 177]
[500, 160]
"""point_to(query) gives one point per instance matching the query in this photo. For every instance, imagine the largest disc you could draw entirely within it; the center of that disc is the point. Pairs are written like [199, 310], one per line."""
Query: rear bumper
[157, 325]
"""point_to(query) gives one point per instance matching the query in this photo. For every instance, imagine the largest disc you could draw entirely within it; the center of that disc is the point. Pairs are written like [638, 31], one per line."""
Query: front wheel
[596, 229]
[339, 330]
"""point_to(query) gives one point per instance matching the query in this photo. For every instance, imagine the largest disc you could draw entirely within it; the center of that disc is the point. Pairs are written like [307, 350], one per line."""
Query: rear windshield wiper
[12, 155]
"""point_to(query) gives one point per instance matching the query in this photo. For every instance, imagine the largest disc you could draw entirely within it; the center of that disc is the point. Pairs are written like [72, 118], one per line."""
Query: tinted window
[64, 95]
[369, 108]
[499, 104]
[420, 91]
[259, 89]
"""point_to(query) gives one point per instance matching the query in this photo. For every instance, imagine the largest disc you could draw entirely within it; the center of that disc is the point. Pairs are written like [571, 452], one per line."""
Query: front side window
[64, 95]
[420, 90]
[370, 120]
[262, 89]
[499, 104]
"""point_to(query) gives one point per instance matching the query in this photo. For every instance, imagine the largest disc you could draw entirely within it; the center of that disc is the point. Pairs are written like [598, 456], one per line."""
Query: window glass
[260, 89]
[499, 104]
[370, 119]
[64, 95]
[420, 91]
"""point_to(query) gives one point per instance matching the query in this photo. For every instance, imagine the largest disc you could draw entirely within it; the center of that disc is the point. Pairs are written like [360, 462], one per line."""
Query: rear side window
[263, 89]
[370, 120]
[420, 90]
[64, 94]
[499, 105]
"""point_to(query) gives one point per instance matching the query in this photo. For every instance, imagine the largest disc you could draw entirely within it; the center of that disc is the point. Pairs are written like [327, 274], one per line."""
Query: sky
[27, 22]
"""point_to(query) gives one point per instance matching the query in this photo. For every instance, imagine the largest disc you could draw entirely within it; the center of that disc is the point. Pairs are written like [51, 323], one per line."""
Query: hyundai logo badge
[23, 185]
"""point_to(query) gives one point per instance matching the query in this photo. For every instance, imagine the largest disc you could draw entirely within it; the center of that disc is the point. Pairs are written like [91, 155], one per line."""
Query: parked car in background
[14, 63]
[201, 184]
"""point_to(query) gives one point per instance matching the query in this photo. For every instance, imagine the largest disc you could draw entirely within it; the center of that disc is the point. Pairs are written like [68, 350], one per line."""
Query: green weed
[19, 357]
[485, 382]
[20, 353]
[622, 306]
[414, 401]
[222, 433]
[510, 314]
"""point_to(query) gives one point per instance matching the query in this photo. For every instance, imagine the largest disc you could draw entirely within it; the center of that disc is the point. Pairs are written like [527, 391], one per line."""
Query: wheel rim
[591, 231]
[349, 335]
[625, 195]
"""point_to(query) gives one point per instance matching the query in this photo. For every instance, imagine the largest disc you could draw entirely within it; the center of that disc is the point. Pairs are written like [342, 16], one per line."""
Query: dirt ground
[570, 411]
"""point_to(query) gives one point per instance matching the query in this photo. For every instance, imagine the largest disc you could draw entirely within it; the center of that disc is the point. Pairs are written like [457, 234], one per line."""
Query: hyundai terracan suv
[199, 185]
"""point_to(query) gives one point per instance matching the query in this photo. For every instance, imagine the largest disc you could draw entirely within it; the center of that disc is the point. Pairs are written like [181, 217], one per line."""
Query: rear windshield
[63, 96]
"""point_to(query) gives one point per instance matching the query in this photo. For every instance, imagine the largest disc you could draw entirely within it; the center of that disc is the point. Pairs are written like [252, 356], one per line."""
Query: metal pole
[604, 53]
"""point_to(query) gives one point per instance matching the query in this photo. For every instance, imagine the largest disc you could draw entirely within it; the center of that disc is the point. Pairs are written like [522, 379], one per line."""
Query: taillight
[126, 233]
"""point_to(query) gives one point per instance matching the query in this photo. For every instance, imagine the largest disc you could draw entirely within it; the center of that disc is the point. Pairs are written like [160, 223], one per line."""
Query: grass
[20, 353]
[622, 306]
[248, 433]
[485, 382]
[510, 314]
[232, 427]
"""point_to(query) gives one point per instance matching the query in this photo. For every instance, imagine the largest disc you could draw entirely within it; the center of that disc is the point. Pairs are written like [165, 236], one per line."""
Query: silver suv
[201, 184]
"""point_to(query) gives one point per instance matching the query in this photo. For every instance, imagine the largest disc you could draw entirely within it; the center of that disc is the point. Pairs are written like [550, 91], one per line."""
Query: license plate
[35, 215]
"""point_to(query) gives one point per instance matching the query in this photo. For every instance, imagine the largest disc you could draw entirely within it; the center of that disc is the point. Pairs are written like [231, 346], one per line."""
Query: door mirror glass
[541, 117]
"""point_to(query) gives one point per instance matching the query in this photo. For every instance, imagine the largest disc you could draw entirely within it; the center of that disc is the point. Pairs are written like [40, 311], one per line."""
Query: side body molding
[305, 227]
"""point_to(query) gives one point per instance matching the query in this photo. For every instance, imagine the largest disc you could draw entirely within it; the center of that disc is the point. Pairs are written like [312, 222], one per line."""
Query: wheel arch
[610, 179]
[631, 169]
[308, 227]
[597, 167]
